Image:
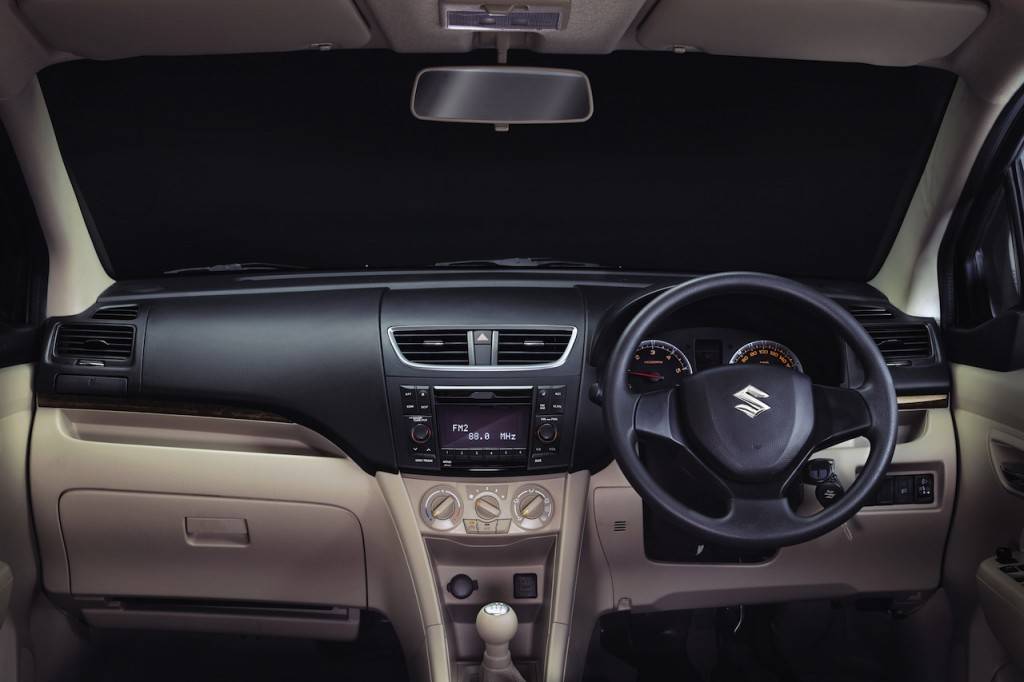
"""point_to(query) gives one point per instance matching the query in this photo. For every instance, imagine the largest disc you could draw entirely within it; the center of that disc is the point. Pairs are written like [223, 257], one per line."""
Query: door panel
[988, 407]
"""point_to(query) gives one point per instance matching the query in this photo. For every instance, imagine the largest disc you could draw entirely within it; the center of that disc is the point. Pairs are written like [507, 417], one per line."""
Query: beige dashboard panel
[882, 549]
[217, 548]
[71, 453]
[884, 32]
[112, 29]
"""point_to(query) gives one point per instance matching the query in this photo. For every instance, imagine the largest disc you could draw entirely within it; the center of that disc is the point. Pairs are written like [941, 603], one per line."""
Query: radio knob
[547, 432]
[420, 433]
[532, 506]
[443, 508]
[487, 508]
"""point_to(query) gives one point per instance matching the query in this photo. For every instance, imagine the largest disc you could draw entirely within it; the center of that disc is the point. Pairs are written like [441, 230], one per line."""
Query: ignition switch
[821, 474]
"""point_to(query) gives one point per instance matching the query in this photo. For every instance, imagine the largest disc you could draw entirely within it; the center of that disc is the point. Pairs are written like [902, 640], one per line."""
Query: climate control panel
[487, 508]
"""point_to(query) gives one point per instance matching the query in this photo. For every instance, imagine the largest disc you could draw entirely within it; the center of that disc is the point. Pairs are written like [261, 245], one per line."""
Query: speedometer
[656, 364]
[765, 352]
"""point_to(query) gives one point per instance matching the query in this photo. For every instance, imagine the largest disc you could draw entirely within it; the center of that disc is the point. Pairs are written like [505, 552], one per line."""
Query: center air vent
[433, 346]
[532, 346]
[902, 343]
[95, 341]
[117, 312]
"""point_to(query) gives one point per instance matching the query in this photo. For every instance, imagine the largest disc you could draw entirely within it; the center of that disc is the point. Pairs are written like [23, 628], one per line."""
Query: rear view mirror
[502, 95]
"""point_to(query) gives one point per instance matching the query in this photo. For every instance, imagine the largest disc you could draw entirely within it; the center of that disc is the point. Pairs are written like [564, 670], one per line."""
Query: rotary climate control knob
[441, 508]
[532, 507]
[487, 507]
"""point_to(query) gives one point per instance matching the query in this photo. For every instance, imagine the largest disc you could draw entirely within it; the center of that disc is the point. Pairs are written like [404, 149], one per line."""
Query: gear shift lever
[497, 624]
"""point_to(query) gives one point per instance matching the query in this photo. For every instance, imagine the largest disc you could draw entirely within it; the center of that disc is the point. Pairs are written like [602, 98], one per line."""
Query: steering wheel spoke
[839, 414]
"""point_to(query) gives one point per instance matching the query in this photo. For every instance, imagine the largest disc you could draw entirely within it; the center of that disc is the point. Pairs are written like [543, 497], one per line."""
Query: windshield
[691, 163]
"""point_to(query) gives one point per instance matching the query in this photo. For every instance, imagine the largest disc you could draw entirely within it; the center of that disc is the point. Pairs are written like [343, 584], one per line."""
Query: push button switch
[924, 489]
[903, 489]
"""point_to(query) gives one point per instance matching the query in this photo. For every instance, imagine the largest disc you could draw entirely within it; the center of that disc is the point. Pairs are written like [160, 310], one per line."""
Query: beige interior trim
[990, 428]
[884, 32]
[16, 536]
[112, 29]
[61, 463]
[567, 559]
[21, 54]
[919, 402]
[204, 433]
[882, 549]
[909, 275]
[1002, 602]
[428, 599]
[76, 275]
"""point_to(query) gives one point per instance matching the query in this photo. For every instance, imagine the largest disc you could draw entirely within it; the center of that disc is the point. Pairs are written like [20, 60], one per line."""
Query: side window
[23, 263]
[990, 281]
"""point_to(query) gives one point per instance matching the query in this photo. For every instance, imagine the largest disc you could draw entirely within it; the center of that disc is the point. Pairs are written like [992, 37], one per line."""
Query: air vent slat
[532, 346]
[866, 312]
[117, 312]
[899, 343]
[95, 341]
[433, 346]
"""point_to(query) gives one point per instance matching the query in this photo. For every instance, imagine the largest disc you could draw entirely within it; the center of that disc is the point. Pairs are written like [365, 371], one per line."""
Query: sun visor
[883, 32]
[110, 29]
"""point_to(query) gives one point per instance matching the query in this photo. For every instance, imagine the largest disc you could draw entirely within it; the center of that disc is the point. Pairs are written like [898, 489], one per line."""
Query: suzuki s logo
[751, 403]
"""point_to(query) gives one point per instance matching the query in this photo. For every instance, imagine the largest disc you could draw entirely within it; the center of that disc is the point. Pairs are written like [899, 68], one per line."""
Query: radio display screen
[483, 427]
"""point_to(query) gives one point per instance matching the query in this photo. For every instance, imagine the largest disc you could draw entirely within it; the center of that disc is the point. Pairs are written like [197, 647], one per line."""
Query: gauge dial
[656, 364]
[765, 352]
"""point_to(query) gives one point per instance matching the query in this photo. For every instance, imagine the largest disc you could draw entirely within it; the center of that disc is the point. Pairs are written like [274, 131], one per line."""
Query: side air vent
[433, 346]
[95, 341]
[868, 313]
[117, 312]
[620, 526]
[532, 346]
[902, 343]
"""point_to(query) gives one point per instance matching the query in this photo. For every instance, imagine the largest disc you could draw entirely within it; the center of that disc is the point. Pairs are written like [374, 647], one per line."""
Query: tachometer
[656, 364]
[765, 352]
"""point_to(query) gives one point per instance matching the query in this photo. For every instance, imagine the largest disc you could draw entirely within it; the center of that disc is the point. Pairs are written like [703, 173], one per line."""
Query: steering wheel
[749, 429]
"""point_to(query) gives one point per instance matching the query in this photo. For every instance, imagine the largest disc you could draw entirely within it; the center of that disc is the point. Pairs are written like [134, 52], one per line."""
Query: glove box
[196, 548]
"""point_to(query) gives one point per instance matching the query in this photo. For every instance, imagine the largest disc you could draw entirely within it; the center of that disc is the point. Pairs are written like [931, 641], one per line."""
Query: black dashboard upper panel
[314, 347]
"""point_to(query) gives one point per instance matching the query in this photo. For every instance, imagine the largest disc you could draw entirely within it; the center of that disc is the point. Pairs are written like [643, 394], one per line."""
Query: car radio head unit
[482, 429]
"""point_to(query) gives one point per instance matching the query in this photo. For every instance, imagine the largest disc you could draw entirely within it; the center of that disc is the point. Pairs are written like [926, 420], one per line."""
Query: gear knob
[497, 623]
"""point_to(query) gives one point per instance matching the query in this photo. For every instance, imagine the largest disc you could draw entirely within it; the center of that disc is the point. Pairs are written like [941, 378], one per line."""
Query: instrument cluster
[668, 357]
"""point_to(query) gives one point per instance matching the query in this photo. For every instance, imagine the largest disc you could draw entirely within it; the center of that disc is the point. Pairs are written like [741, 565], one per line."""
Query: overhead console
[483, 381]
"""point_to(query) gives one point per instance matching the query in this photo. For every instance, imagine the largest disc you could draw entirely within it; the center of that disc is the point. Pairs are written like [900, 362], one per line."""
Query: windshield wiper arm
[516, 263]
[236, 267]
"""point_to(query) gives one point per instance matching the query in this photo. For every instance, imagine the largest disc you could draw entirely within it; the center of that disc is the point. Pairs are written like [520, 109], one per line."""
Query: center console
[483, 389]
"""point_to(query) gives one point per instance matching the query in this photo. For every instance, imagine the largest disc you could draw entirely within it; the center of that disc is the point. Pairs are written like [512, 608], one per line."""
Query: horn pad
[752, 421]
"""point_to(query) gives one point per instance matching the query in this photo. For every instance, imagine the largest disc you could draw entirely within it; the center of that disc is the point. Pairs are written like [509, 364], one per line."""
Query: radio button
[547, 432]
[420, 433]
